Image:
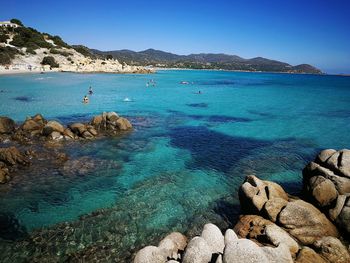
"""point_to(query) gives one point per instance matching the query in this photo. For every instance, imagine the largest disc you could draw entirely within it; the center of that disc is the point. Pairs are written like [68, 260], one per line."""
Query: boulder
[38, 118]
[53, 126]
[308, 255]
[251, 226]
[244, 251]
[277, 236]
[97, 120]
[332, 249]
[230, 236]
[150, 254]
[68, 134]
[7, 125]
[212, 234]
[197, 251]
[55, 135]
[305, 222]
[78, 128]
[254, 193]
[279, 254]
[112, 116]
[173, 243]
[273, 207]
[323, 190]
[343, 219]
[31, 125]
[123, 124]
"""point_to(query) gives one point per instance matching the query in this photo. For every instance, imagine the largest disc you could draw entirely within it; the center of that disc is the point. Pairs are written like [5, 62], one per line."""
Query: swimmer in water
[86, 99]
[90, 91]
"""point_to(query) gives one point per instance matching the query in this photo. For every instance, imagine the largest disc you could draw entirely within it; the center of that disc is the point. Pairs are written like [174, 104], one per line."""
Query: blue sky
[309, 31]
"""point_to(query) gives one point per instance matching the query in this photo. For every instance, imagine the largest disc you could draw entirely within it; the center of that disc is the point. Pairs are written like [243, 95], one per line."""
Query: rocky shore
[17, 140]
[275, 226]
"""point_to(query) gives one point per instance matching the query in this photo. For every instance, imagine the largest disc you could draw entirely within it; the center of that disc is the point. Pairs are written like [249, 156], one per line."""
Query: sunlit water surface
[185, 159]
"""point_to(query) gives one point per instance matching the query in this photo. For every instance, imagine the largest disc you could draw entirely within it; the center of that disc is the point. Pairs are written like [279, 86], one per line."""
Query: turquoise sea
[181, 166]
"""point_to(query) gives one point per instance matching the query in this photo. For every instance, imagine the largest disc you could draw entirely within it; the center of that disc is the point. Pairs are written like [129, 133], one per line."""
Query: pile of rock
[37, 128]
[327, 184]
[106, 123]
[211, 246]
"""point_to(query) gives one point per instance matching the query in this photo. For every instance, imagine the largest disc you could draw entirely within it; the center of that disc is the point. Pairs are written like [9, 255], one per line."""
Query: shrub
[60, 52]
[29, 37]
[16, 21]
[49, 60]
[103, 63]
[108, 57]
[31, 50]
[7, 54]
[58, 41]
[3, 38]
[84, 51]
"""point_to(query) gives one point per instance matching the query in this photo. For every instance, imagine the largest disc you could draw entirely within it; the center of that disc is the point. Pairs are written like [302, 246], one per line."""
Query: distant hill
[204, 61]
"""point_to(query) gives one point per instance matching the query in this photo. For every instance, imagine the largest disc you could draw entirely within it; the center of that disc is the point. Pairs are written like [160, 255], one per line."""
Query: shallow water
[183, 163]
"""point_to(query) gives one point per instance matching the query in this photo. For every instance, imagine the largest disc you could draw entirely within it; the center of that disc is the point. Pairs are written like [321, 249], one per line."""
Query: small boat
[127, 99]
[184, 82]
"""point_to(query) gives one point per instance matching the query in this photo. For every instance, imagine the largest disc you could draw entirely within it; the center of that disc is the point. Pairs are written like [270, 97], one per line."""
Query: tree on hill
[16, 21]
[49, 60]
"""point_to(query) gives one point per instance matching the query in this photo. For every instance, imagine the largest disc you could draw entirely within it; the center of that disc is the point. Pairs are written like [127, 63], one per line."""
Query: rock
[173, 243]
[277, 236]
[219, 259]
[68, 133]
[197, 251]
[273, 207]
[53, 126]
[4, 176]
[97, 120]
[31, 125]
[305, 222]
[12, 156]
[254, 193]
[92, 131]
[150, 254]
[123, 124]
[55, 135]
[279, 254]
[336, 210]
[251, 226]
[332, 249]
[322, 190]
[7, 125]
[38, 118]
[78, 128]
[308, 255]
[112, 116]
[212, 234]
[230, 236]
[343, 219]
[244, 251]
[87, 135]
[324, 155]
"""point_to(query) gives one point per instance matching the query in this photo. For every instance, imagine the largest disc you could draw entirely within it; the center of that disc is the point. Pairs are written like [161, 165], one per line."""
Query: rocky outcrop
[37, 130]
[300, 219]
[327, 185]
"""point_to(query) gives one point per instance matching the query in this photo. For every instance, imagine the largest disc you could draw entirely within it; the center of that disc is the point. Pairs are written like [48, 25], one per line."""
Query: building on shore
[8, 24]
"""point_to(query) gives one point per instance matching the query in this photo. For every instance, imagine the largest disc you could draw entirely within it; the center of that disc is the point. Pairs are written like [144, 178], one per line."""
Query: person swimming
[86, 99]
[90, 91]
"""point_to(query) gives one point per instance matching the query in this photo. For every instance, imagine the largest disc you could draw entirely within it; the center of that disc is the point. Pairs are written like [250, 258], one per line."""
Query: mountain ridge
[159, 58]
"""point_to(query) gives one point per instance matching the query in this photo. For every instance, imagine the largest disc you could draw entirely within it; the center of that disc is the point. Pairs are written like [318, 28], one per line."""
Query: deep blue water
[189, 152]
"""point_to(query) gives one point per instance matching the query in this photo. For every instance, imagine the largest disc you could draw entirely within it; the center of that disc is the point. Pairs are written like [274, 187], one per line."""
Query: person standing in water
[90, 91]
[86, 99]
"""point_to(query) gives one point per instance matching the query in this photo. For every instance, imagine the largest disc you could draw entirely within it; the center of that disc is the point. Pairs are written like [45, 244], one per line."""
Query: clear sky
[294, 31]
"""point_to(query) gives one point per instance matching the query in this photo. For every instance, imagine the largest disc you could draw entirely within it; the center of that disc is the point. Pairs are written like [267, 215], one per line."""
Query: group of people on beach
[86, 99]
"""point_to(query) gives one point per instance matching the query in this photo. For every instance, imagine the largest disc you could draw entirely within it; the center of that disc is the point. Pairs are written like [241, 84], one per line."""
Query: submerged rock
[10, 229]
[7, 125]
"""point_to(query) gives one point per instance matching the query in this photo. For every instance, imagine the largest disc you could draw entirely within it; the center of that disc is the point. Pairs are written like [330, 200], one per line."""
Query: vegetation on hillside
[49, 60]
[7, 54]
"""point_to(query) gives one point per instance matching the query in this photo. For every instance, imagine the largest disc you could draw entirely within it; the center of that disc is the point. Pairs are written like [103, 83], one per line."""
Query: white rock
[197, 251]
[212, 234]
[150, 254]
[230, 236]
